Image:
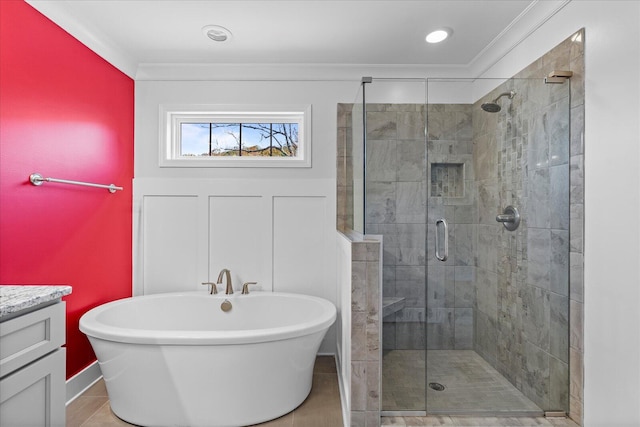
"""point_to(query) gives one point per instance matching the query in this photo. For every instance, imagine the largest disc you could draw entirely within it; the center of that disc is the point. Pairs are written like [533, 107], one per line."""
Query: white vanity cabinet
[32, 366]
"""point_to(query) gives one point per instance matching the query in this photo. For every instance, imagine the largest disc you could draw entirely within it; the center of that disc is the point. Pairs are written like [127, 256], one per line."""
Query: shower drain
[436, 386]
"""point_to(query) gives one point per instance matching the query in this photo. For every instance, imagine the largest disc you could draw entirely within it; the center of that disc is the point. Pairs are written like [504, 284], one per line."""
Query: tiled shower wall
[568, 55]
[398, 182]
[529, 281]
[521, 156]
[451, 195]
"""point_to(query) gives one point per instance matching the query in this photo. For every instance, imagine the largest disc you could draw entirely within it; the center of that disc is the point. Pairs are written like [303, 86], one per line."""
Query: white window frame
[172, 116]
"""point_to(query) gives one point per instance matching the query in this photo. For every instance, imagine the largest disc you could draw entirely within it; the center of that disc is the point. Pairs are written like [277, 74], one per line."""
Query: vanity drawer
[30, 336]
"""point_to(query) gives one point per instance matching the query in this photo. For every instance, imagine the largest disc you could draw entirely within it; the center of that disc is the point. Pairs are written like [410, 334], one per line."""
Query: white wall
[612, 185]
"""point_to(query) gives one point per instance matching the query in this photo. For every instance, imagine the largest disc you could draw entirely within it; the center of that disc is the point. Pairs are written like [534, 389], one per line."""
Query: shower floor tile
[472, 386]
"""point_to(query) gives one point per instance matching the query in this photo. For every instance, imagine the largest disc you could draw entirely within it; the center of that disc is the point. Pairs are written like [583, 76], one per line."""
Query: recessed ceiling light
[217, 33]
[438, 35]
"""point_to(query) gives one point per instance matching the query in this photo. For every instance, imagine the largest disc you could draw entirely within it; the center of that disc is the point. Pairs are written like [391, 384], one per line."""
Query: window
[234, 136]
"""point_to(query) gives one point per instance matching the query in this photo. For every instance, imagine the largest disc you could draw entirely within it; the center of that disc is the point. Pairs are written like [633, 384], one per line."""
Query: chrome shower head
[493, 107]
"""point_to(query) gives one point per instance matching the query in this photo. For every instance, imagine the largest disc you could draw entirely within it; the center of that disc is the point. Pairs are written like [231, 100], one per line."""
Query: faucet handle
[245, 287]
[214, 288]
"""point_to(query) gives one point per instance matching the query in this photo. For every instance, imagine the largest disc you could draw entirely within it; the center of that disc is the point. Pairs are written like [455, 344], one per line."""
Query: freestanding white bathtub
[177, 359]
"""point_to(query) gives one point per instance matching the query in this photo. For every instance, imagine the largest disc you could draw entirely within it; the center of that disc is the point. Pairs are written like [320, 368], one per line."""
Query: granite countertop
[15, 298]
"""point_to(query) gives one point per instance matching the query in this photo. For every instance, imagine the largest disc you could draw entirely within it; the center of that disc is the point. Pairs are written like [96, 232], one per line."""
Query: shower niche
[446, 180]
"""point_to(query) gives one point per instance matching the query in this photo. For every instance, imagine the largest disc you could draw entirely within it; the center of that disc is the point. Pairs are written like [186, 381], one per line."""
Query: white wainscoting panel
[170, 236]
[299, 245]
[277, 232]
[240, 239]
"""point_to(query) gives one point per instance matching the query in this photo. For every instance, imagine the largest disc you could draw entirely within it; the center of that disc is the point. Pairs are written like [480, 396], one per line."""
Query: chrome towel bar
[37, 179]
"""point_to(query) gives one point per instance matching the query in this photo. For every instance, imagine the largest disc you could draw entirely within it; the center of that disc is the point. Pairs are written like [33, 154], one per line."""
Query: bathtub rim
[90, 326]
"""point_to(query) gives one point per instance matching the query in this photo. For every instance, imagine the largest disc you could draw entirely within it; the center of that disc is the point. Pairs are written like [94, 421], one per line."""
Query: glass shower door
[395, 208]
[497, 306]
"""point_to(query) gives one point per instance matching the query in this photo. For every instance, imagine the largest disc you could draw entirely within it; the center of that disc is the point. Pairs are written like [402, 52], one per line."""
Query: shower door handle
[442, 257]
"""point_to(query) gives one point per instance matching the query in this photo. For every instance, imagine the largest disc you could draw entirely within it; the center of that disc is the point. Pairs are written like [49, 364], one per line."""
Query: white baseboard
[346, 418]
[77, 384]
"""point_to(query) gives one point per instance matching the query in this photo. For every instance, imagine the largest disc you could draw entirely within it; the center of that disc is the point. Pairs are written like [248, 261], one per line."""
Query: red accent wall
[65, 113]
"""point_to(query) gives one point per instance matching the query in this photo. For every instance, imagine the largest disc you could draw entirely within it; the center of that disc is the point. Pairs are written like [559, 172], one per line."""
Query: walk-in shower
[479, 326]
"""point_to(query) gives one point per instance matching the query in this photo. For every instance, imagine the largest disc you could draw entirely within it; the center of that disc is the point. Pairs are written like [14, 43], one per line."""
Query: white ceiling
[289, 32]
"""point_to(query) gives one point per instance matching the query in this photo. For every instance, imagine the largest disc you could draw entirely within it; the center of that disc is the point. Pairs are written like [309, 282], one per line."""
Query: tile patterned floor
[472, 385]
[321, 409]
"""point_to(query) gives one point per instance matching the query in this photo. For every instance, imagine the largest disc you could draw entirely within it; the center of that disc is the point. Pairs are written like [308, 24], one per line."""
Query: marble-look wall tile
[576, 325]
[463, 244]
[465, 287]
[487, 251]
[411, 240]
[358, 335]
[487, 293]
[558, 327]
[576, 172]
[488, 202]
[440, 286]
[538, 261]
[411, 125]
[465, 214]
[389, 334]
[538, 142]
[366, 330]
[373, 386]
[559, 197]
[381, 161]
[382, 125]
[358, 285]
[536, 311]
[558, 384]
[536, 375]
[576, 385]
[538, 212]
[559, 140]
[410, 285]
[358, 385]
[389, 238]
[358, 419]
[410, 336]
[411, 202]
[381, 203]
[411, 160]
[559, 271]
[372, 419]
[440, 329]
[577, 130]
[485, 157]
[485, 337]
[463, 332]
[576, 233]
[389, 280]
[576, 277]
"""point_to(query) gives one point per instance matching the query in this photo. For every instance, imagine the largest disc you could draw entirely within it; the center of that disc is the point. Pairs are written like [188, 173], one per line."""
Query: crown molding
[292, 72]
[94, 40]
[529, 21]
